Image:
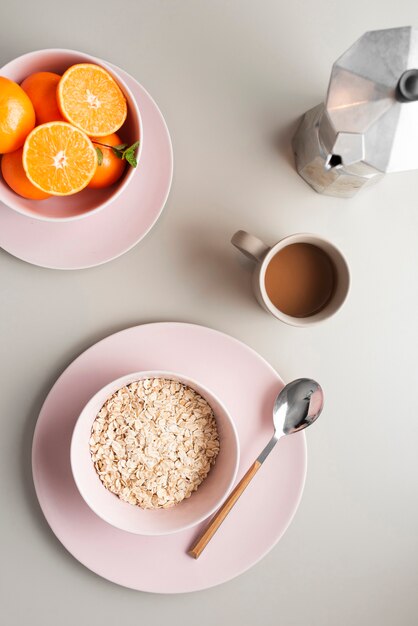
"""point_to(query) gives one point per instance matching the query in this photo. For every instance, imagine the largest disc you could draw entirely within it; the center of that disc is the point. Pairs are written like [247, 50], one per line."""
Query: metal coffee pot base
[324, 169]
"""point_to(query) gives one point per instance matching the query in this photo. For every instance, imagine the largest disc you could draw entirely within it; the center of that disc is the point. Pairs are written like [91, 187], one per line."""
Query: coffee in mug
[301, 280]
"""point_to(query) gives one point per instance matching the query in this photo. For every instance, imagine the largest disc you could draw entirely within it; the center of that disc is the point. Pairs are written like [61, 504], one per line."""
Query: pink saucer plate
[247, 386]
[115, 229]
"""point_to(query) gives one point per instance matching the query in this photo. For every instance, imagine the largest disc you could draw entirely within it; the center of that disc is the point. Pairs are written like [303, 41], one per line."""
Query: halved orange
[90, 99]
[59, 158]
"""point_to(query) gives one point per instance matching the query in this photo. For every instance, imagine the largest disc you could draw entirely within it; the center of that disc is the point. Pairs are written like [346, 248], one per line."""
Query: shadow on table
[282, 141]
[221, 275]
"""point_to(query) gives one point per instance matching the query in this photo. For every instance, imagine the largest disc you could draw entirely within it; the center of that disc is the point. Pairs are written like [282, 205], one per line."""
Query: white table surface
[231, 77]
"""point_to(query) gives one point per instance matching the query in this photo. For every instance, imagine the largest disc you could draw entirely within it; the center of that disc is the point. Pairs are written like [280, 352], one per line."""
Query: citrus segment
[59, 159]
[110, 167]
[41, 88]
[15, 176]
[17, 116]
[90, 98]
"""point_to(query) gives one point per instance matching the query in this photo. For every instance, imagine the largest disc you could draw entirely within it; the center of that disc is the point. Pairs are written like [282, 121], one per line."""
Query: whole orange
[41, 88]
[15, 176]
[111, 168]
[17, 116]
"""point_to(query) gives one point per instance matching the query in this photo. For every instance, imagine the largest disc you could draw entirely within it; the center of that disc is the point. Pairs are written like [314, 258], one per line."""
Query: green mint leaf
[99, 156]
[122, 151]
[129, 154]
[131, 159]
[134, 146]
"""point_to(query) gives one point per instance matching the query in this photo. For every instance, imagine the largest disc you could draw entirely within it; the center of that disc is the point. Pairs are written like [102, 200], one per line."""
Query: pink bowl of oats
[154, 453]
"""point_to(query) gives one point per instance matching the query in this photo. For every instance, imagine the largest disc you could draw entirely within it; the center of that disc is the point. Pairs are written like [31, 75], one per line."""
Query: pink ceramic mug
[89, 200]
[261, 254]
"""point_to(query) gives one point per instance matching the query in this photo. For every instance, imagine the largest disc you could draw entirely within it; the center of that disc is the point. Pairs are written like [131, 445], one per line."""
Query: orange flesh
[59, 159]
[89, 98]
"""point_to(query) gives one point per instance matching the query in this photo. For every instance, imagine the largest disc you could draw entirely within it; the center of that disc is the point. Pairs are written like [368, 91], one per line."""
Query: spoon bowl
[297, 406]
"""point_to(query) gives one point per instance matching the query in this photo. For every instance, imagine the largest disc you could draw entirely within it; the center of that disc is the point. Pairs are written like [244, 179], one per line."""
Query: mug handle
[251, 246]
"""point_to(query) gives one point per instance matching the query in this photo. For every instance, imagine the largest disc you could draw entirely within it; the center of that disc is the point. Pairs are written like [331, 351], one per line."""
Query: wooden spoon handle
[201, 543]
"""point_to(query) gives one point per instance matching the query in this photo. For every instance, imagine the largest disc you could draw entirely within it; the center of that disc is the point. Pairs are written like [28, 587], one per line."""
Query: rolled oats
[153, 442]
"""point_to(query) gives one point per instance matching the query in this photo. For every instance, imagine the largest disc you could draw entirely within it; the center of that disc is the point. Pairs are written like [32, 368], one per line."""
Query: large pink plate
[102, 236]
[247, 384]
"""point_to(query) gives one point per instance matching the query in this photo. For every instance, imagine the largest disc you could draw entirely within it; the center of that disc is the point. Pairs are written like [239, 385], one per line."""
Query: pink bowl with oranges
[87, 201]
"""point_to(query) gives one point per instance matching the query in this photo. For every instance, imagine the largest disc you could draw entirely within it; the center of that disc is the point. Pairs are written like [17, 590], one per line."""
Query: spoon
[296, 407]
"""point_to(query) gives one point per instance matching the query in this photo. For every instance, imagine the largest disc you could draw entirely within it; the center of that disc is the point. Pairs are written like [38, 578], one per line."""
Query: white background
[231, 79]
